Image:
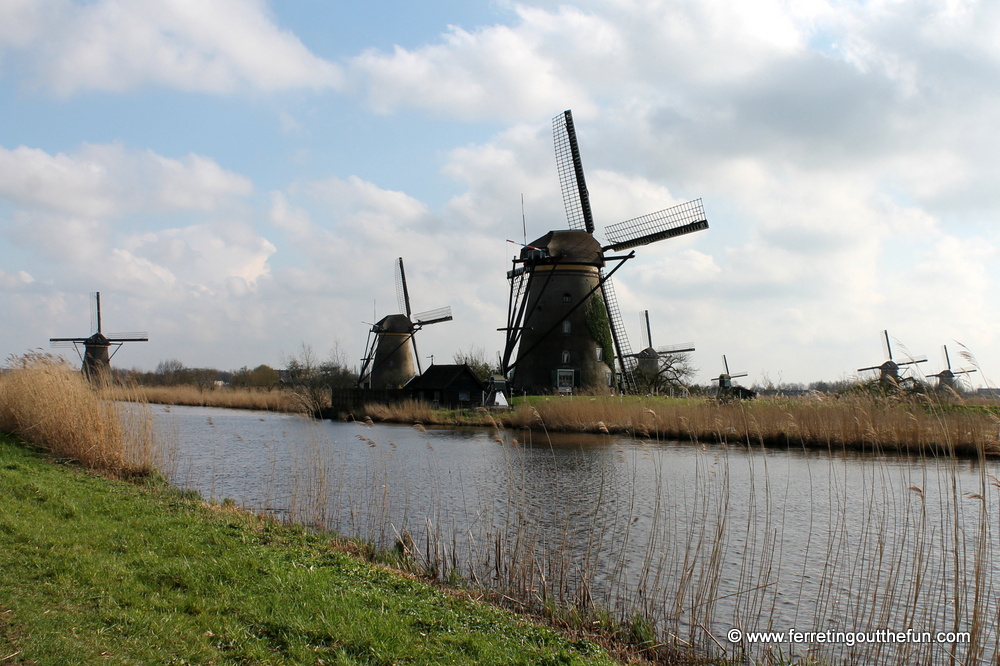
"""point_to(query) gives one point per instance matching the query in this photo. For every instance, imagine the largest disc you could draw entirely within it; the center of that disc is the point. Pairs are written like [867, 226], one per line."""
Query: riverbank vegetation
[120, 567]
[104, 571]
[859, 422]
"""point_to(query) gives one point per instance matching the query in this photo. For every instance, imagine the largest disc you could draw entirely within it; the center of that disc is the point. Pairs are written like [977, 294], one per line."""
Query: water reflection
[701, 539]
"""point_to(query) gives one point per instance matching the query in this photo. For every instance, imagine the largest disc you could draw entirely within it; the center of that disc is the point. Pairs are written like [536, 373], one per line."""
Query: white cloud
[218, 46]
[103, 180]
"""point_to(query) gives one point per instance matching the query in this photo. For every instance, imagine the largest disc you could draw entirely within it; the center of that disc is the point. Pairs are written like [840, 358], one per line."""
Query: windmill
[727, 391]
[889, 370]
[97, 355]
[562, 314]
[392, 347]
[947, 377]
[653, 366]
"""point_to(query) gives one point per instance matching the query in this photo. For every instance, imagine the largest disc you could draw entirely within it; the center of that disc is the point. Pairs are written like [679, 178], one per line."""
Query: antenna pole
[98, 311]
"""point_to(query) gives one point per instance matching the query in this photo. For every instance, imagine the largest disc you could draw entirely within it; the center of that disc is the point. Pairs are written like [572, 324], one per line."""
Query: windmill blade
[130, 336]
[576, 198]
[402, 295]
[95, 312]
[947, 359]
[676, 349]
[738, 374]
[64, 343]
[416, 354]
[644, 342]
[618, 336]
[874, 367]
[886, 347]
[678, 220]
[726, 363]
[965, 372]
[432, 316]
[914, 361]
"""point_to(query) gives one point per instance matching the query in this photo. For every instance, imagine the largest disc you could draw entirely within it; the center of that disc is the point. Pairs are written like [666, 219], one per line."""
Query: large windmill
[97, 352]
[392, 346]
[562, 315]
[889, 370]
[947, 377]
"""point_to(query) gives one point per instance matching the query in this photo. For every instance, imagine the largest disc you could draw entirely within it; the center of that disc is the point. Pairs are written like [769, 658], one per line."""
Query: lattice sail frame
[677, 220]
[576, 197]
[433, 316]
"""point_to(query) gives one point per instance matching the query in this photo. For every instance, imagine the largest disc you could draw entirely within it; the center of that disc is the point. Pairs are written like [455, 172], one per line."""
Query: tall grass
[232, 398]
[852, 422]
[51, 405]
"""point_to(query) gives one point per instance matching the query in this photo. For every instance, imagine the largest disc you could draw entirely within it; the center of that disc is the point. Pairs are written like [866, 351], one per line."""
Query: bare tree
[673, 371]
[312, 380]
[476, 359]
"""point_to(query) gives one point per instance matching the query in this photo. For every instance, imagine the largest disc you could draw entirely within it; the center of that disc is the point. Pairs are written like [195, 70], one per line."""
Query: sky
[237, 177]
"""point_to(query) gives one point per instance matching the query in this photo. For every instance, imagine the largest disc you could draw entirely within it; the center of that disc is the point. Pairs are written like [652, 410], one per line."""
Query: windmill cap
[572, 247]
[395, 323]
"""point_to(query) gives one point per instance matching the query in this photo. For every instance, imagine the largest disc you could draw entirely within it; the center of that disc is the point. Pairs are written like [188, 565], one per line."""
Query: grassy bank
[103, 571]
[860, 423]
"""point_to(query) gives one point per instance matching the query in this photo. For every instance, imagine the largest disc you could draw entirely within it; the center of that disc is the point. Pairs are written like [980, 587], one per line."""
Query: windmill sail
[576, 198]
[671, 222]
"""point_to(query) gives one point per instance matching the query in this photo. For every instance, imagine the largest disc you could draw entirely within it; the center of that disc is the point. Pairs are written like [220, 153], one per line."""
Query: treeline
[304, 369]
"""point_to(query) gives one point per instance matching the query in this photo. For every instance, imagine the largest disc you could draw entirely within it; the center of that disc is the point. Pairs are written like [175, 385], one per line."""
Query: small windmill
[727, 391]
[97, 356]
[648, 366]
[392, 347]
[562, 316]
[947, 377]
[889, 370]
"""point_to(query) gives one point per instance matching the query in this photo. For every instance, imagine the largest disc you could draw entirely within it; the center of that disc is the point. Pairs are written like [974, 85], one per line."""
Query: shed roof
[438, 377]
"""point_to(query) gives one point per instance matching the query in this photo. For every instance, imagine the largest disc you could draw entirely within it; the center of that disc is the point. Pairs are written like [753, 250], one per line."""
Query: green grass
[100, 571]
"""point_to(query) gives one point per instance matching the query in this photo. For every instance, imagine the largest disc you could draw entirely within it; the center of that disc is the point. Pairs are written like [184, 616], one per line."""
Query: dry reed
[860, 423]
[51, 405]
[232, 398]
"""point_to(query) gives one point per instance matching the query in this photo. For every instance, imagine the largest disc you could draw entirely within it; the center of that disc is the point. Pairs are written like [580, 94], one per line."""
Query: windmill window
[567, 327]
[600, 353]
[567, 298]
[565, 357]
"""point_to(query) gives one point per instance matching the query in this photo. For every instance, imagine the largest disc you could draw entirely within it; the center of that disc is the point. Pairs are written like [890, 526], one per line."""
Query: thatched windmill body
[562, 317]
[889, 370]
[947, 378]
[97, 348]
[392, 347]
